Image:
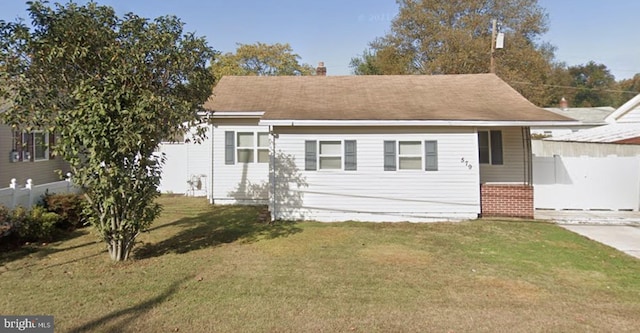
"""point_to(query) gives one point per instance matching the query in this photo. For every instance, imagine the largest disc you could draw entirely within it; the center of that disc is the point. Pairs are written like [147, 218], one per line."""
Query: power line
[576, 88]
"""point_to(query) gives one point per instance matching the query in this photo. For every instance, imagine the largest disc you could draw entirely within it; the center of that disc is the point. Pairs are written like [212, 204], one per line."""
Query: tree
[628, 88]
[260, 59]
[111, 88]
[593, 85]
[454, 37]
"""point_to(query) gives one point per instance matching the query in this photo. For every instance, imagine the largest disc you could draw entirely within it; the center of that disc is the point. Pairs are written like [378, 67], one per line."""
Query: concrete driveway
[618, 229]
[621, 237]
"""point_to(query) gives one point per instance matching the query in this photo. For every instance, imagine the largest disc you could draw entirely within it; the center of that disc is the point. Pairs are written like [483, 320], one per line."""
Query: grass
[204, 268]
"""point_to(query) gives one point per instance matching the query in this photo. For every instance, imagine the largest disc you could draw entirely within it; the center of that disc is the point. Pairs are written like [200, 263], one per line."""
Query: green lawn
[214, 269]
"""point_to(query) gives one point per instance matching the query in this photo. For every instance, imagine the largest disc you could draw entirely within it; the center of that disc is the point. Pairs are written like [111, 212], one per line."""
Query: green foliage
[593, 83]
[260, 59]
[68, 206]
[454, 37]
[5, 222]
[112, 88]
[628, 89]
[35, 225]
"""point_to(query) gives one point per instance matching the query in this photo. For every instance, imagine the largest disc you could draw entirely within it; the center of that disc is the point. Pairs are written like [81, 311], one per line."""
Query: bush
[36, 225]
[5, 221]
[68, 207]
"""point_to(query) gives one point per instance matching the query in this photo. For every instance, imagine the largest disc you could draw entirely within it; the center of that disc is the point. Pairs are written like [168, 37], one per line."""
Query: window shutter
[389, 156]
[229, 147]
[496, 147]
[431, 155]
[52, 142]
[17, 146]
[350, 155]
[310, 155]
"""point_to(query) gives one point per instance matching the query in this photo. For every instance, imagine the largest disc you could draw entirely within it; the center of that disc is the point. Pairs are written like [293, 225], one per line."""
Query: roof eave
[236, 114]
[623, 109]
[463, 123]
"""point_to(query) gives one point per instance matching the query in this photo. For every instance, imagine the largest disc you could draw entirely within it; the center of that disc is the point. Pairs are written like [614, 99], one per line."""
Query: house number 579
[466, 163]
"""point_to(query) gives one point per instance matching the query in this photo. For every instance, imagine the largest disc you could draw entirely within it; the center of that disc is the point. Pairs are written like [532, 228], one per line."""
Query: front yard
[214, 269]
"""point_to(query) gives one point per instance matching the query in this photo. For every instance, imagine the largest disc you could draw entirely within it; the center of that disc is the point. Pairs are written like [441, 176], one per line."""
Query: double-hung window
[330, 155]
[490, 147]
[411, 155]
[40, 146]
[246, 147]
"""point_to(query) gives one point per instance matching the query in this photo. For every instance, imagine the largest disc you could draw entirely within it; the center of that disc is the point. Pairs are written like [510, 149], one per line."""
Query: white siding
[513, 169]
[243, 183]
[632, 116]
[370, 193]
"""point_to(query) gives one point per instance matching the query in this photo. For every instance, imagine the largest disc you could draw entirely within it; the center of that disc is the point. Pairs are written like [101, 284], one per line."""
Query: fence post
[13, 185]
[29, 187]
[68, 180]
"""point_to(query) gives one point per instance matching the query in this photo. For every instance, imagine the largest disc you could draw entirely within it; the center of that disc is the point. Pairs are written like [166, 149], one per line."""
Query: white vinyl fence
[187, 168]
[586, 183]
[30, 194]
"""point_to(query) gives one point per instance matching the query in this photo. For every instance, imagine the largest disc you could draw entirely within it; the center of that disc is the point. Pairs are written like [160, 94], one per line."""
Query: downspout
[273, 174]
[211, 158]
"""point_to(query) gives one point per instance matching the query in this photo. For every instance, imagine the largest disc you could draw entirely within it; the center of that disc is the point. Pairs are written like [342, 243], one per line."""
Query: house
[27, 155]
[587, 117]
[591, 169]
[374, 148]
[623, 127]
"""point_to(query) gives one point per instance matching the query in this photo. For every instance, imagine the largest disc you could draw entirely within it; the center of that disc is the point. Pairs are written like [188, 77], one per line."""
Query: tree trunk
[119, 249]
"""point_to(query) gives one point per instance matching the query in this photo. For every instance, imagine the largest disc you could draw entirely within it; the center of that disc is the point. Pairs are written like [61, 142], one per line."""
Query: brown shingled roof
[483, 97]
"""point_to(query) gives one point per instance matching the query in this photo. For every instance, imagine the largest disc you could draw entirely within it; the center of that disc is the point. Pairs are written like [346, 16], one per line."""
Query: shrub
[68, 207]
[38, 224]
[5, 221]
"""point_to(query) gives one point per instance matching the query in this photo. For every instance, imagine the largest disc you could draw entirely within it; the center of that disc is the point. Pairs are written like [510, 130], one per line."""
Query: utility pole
[492, 65]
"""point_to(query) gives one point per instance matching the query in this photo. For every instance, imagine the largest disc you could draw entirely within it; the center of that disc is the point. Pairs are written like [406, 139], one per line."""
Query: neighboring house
[374, 148]
[588, 118]
[592, 169]
[27, 155]
[623, 127]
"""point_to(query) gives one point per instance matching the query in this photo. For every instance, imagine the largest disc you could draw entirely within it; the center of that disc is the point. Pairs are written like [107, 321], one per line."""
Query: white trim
[465, 123]
[623, 109]
[236, 114]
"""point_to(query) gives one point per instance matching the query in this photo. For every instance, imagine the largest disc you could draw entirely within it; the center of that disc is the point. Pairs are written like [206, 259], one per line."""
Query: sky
[334, 31]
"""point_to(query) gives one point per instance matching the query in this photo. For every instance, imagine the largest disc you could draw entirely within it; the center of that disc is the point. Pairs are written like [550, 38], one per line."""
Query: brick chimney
[564, 104]
[321, 70]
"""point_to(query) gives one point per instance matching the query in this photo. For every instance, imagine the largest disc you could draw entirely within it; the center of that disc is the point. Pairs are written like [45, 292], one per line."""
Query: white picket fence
[587, 183]
[30, 194]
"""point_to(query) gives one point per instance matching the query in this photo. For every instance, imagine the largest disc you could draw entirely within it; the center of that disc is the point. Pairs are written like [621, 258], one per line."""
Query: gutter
[236, 114]
[460, 123]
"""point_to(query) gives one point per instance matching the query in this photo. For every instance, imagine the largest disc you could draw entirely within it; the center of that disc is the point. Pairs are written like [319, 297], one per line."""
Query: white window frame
[418, 155]
[46, 156]
[333, 156]
[255, 148]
